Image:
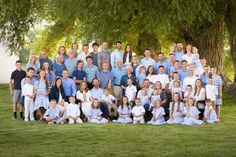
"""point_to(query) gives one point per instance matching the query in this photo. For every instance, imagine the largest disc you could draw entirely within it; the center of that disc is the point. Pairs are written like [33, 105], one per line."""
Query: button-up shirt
[117, 75]
[70, 65]
[104, 78]
[69, 86]
[97, 93]
[147, 62]
[91, 72]
[116, 55]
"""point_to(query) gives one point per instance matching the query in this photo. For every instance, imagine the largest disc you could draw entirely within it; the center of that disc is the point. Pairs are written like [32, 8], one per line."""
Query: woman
[58, 66]
[128, 55]
[200, 96]
[151, 75]
[50, 75]
[135, 64]
[41, 90]
[61, 52]
[57, 93]
[84, 97]
[128, 75]
[161, 93]
[33, 62]
[189, 56]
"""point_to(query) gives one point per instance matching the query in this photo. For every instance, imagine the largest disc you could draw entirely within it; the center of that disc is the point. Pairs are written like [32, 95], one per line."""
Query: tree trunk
[233, 53]
[209, 39]
[148, 40]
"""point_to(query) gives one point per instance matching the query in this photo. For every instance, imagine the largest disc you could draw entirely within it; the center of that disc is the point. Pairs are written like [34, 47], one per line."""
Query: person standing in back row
[15, 91]
[104, 56]
[117, 54]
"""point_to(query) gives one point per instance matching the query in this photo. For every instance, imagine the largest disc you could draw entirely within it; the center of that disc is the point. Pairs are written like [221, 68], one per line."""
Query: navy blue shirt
[42, 61]
[79, 74]
[17, 76]
[125, 78]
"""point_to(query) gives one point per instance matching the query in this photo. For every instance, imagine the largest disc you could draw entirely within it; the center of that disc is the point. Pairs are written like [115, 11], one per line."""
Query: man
[15, 91]
[163, 78]
[85, 52]
[68, 85]
[44, 58]
[104, 56]
[90, 70]
[105, 76]
[161, 61]
[97, 94]
[117, 73]
[116, 54]
[190, 79]
[179, 51]
[71, 63]
[147, 60]
[75, 48]
[94, 54]
[79, 74]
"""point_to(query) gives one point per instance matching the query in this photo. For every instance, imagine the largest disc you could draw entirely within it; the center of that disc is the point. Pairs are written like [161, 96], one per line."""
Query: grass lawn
[18, 138]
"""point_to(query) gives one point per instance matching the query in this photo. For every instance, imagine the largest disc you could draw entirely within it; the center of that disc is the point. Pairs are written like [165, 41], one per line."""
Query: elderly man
[71, 62]
[117, 73]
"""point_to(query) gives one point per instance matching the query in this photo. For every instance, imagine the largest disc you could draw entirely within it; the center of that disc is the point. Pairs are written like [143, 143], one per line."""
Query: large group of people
[117, 86]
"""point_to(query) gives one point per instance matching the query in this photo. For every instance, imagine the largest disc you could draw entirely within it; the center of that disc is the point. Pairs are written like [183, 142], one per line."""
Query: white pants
[117, 91]
[138, 120]
[62, 113]
[72, 121]
[29, 109]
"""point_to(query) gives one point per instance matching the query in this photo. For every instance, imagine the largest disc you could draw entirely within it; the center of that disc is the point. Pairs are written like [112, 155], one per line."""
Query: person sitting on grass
[176, 110]
[158, 113]
[52, 114]
[73, 111]
[138, 112]
[95, 113]
[191, 113]
[110, 101]
[209, 113]
[124, 111]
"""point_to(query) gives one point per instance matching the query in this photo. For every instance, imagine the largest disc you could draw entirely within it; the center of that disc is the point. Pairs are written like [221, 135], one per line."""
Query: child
[141, 75]
[95, 114]
[52, 114]
[130, 91]
[155, 96]
[158, 113]
[211, 91]
[15, 88]
[175, 78]
[28, 93]
[138, 112]
[124, 111]
[209, 113]
[175, 110]
[191, 113]
[111, 101]
[176, 89]
[144, 98]
[189, 93]
[73, 111]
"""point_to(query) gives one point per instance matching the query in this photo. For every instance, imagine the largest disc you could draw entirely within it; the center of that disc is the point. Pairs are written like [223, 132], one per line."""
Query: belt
[116, 85]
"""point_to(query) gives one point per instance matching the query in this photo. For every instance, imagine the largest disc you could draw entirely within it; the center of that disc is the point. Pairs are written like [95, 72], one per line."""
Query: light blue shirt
[69, 86]
[183, 75]
[117, 75]
[178, 55]
[147, 62]
[104, 78]
[163, 63]
[97, 93]
[52, 112]
[91, 72]
[116, 55]
[70, 65]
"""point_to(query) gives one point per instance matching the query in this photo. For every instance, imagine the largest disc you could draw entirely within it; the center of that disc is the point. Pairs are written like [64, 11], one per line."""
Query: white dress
[190, 113]
[85, 99]
[177, 113]
[158, 114]
[212, 117]
[73, 110]
[124, 111]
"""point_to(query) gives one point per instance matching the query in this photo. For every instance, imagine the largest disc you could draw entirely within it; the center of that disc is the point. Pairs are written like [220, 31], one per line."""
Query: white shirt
[171, 85]
[130, 91]
[27, 89]
[164, 79]
[109, 99]
[73, 110]
[188, 58]
[138, 110]
[82, 56]
[211, 92]
[190, 80]
[84, 97]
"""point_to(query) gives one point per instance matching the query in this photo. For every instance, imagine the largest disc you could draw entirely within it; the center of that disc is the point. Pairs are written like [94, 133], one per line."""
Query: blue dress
[124, 111]
[41, 100]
